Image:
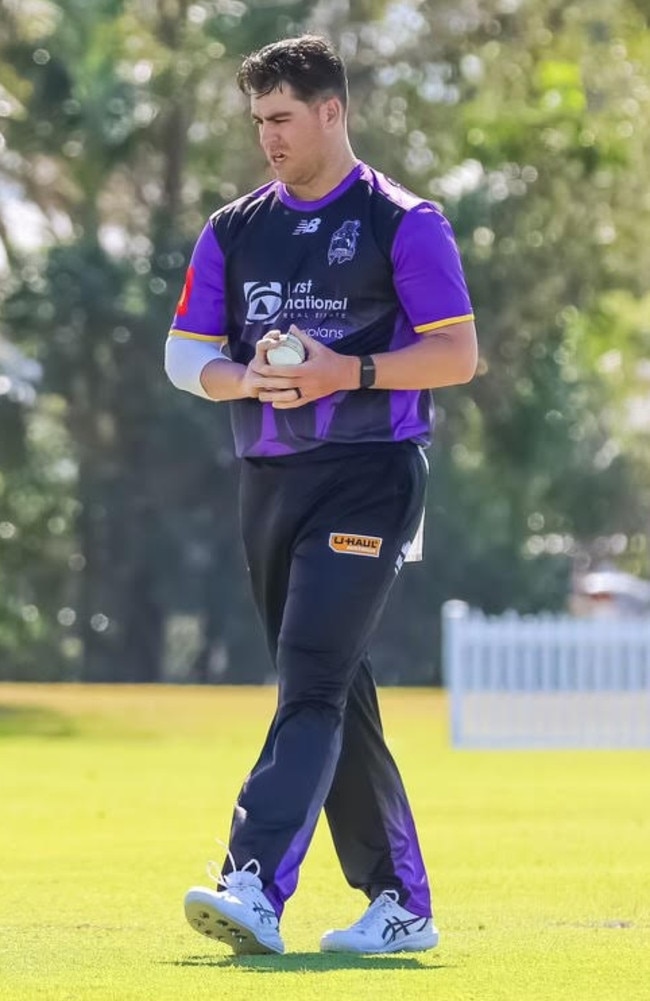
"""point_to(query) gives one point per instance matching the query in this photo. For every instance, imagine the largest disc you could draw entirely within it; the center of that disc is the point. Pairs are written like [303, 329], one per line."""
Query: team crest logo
[263, 300]
[343, 245]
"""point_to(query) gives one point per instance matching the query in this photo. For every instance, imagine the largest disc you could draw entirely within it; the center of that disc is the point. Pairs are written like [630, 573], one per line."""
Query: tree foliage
[123, 129]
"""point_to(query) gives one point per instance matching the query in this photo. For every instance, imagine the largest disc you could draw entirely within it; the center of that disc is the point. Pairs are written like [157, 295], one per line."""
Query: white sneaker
[385, 927]
[239, 915]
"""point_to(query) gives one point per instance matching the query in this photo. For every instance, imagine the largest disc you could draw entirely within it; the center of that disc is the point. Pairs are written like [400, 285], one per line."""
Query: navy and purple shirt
[367, 269]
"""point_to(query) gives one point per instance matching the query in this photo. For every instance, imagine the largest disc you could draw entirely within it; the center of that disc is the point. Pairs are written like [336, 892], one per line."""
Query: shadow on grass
[35, 721]
[309, 962]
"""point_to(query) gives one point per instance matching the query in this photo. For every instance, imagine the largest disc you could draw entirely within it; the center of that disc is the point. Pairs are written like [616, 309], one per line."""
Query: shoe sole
[207, 920]
[415, 946]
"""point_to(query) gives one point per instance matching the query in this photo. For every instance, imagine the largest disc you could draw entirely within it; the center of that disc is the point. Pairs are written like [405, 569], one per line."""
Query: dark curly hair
[309, 64]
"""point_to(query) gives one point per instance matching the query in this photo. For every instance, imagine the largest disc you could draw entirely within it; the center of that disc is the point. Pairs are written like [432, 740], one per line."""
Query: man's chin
[288, 175]
[281, 170]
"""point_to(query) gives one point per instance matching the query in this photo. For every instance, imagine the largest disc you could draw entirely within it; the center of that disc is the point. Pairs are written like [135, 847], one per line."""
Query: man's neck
[326, 180]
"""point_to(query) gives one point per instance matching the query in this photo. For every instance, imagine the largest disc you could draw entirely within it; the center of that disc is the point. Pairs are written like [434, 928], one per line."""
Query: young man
[367, 276]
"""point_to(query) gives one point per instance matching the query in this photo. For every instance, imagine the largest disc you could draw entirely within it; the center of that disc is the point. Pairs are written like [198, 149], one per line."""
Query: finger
[275, 395]
[265, 343]
[289, 404]
[263, 368]
[272, 336]
[286, 371]
[284, 403]
[267, 378]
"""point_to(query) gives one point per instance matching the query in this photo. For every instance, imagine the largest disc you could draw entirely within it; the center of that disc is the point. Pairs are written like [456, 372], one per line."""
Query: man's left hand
[322, 373]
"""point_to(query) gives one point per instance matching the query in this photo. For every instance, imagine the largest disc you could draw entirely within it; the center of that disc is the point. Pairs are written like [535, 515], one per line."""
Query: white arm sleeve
[185, 359]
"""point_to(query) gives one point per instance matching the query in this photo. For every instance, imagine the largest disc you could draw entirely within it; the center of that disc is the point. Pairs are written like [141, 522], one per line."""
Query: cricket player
[367, 278]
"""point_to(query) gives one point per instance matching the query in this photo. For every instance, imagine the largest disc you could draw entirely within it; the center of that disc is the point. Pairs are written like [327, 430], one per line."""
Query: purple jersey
[367, 269]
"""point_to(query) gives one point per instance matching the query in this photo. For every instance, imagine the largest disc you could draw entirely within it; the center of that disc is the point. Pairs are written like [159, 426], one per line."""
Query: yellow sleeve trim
[213, 338]
[425, 328]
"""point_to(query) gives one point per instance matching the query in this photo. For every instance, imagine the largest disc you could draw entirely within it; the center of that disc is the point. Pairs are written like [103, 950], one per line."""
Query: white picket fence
[547, 680]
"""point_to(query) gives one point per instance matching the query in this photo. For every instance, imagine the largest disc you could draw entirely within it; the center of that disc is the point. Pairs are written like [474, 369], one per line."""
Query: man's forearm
[224, 380]
[447, 357]
[201, 369]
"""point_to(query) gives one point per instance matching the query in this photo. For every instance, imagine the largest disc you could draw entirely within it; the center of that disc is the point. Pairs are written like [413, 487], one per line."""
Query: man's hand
[290, 386]
[262, 378]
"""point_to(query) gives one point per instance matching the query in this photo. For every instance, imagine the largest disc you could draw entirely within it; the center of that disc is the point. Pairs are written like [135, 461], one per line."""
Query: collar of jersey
[294, 203]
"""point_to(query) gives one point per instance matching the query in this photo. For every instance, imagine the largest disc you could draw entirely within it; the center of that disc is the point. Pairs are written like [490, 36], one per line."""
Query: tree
[124, 130]
[517, 118]
[116, 125]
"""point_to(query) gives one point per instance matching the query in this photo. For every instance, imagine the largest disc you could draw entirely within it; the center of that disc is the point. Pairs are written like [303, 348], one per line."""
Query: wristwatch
[368, 372]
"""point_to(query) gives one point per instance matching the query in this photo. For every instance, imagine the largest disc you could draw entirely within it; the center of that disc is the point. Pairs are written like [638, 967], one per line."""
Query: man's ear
[331, 112]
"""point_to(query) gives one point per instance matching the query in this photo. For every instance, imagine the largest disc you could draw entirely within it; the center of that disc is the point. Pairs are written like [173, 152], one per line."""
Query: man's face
[294, 135]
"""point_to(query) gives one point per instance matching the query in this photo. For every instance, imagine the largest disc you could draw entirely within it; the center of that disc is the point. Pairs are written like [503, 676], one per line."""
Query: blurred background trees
[122, 129]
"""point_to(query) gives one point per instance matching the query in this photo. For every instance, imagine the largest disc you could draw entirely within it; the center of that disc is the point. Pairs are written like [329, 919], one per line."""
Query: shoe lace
[245, 878]
[388, 898]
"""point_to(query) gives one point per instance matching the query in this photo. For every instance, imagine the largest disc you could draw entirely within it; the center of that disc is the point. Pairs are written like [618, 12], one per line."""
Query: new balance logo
[307, 226]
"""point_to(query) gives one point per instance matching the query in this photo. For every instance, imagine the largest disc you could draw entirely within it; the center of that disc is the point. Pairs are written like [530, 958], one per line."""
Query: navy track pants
[325, 535]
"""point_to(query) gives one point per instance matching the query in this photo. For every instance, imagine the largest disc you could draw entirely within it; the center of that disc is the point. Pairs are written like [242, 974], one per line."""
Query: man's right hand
[257, 379]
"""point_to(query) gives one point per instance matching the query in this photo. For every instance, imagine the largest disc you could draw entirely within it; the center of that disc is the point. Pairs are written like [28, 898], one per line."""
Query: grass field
[110, 799]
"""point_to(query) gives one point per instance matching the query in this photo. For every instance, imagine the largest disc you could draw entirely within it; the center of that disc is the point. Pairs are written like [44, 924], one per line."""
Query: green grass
[110, 799]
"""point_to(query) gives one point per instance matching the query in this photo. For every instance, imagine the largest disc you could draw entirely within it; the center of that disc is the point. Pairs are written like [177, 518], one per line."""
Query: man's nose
[268, 133]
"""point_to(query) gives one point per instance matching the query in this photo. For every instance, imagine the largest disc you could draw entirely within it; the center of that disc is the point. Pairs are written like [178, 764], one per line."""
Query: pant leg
[331, 606]
[367, 807]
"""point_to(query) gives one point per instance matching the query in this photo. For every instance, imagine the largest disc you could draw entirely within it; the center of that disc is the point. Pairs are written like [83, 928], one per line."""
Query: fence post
[454, 615]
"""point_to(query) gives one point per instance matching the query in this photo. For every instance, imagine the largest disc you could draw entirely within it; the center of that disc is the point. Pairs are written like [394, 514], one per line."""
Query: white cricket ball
[289, 350]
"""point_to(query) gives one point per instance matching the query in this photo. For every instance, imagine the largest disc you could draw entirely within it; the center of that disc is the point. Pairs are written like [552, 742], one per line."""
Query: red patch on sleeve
[184, 301]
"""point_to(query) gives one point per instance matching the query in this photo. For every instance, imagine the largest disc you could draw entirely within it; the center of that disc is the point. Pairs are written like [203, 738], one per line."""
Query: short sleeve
[428, 274]
[200, 313]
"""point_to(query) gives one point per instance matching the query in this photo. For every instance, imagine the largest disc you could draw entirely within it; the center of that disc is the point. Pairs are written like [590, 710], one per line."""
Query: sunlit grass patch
[35, 721]
[112, 798]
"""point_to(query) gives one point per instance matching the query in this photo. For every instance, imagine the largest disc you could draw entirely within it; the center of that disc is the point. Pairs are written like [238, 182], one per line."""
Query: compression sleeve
[196, 336]
[185, 359]
[428, 273]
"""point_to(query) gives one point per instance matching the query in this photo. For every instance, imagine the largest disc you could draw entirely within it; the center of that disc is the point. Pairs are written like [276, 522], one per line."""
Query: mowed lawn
[111, 799]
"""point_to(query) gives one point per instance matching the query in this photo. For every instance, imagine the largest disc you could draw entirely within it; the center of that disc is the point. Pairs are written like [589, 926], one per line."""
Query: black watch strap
[368, 372]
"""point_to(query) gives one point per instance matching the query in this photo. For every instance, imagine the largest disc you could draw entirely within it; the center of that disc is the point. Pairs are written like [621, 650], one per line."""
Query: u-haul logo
[357, 545]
